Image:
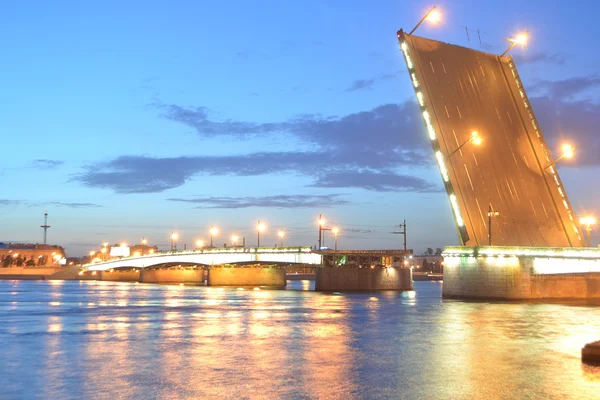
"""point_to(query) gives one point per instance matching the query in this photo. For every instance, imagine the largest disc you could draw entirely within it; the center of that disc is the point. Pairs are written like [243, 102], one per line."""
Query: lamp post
[491, 214]
[519, 39]
[474, 138]
[259, 228]
[567, 152]
[199, 243]
[234, 239]
[432, 16]
[588, 222]
[213, 232]
[174, 237]
[281, 234]
[144, 241]
[335, 230]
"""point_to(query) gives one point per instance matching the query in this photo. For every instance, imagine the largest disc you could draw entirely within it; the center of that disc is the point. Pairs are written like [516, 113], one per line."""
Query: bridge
[517, 228]
[214, 257]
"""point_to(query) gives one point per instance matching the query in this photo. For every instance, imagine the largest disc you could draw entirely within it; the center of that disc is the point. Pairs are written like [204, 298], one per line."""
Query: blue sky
[135, 119]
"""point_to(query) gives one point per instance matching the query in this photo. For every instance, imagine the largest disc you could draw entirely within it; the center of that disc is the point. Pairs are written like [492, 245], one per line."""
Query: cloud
[572, 121]
[566, 88]
[376, 181]
[47, 164]
[384, 138]
[279, 201]
[141, 174]
[73, 205]
[5, 202]
[530, 58]
[367, 84]
[361, 84]
[389, 126]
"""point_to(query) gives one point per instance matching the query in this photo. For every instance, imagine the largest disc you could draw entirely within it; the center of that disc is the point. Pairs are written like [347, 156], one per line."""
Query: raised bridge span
[208, 257]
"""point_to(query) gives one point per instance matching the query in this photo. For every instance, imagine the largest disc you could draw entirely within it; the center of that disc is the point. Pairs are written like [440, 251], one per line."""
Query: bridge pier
[172, 276]
[353, 279]
[126, 275]
[246, 276]
[521, 273]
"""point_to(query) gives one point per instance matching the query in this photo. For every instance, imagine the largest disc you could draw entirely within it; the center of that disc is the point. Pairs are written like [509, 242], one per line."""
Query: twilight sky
[135, 119]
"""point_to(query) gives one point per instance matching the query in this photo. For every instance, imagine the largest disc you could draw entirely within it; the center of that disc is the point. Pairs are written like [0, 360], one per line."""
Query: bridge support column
[336, 279]
[172, 276]
[246, 276]
[128, 275]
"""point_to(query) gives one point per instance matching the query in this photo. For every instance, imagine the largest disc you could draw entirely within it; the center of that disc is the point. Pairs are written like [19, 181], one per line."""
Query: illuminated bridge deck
[461, 90]
[263, 255]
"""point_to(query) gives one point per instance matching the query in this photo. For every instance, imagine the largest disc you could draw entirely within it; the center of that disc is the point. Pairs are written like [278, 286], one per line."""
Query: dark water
[119, 340]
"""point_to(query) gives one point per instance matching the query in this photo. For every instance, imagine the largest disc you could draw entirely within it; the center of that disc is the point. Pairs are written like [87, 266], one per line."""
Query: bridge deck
[465, 90]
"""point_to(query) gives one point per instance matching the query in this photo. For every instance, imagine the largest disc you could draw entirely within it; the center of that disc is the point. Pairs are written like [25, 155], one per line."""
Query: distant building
[30, 255]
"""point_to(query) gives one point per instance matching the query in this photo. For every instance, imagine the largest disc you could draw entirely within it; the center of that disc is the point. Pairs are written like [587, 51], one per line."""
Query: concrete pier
[172, 276]
[337, 279]
[117, 275]
[521, 273]
[591, 352]
[246, 276]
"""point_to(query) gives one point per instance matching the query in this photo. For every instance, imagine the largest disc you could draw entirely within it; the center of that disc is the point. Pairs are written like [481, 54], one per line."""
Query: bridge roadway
[218, 256]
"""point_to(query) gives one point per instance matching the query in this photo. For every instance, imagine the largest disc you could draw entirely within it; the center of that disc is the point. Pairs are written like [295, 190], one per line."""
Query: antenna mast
[45, 226]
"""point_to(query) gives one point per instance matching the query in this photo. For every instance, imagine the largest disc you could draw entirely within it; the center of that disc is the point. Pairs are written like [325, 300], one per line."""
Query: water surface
[109, 340]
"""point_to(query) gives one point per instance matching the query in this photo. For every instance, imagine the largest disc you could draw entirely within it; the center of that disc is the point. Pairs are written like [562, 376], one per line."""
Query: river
[104, 340]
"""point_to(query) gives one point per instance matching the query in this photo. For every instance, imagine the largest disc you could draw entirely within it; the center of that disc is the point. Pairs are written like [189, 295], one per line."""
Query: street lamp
[567, 152]
[588, 222]
[234, 239]
[432, 16]
[491, 214]
[174, 237]
[259, 228]
[335, 230]
[281, 234]
[199, 243]
[474, 138]
[144, 241]
[213, 232]
[521, 39]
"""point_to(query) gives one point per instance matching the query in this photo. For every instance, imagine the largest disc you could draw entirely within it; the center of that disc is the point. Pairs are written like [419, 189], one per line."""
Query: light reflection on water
[107, 340]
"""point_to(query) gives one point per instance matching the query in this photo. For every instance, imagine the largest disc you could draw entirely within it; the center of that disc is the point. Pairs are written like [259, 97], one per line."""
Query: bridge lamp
[588, 222]
[260, 227]
[174, 237]
[521, 39]
[335, 230]
[475, 138]
[321, 222]
[105, 244]
[213, 232]
[103, 250]
[432, 16]
[234, 239]
[144, 241]
[92, 253]
[281, 234]
[568, 151]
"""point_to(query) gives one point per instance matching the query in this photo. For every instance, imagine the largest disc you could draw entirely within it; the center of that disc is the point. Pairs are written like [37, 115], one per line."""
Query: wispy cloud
[385, 138]
[6, 202]
[279, 201]
[366, 84]
[376, 181]
[566, 88]
[564, 116]
[73, 205]
[47, 164]
[540, 56]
